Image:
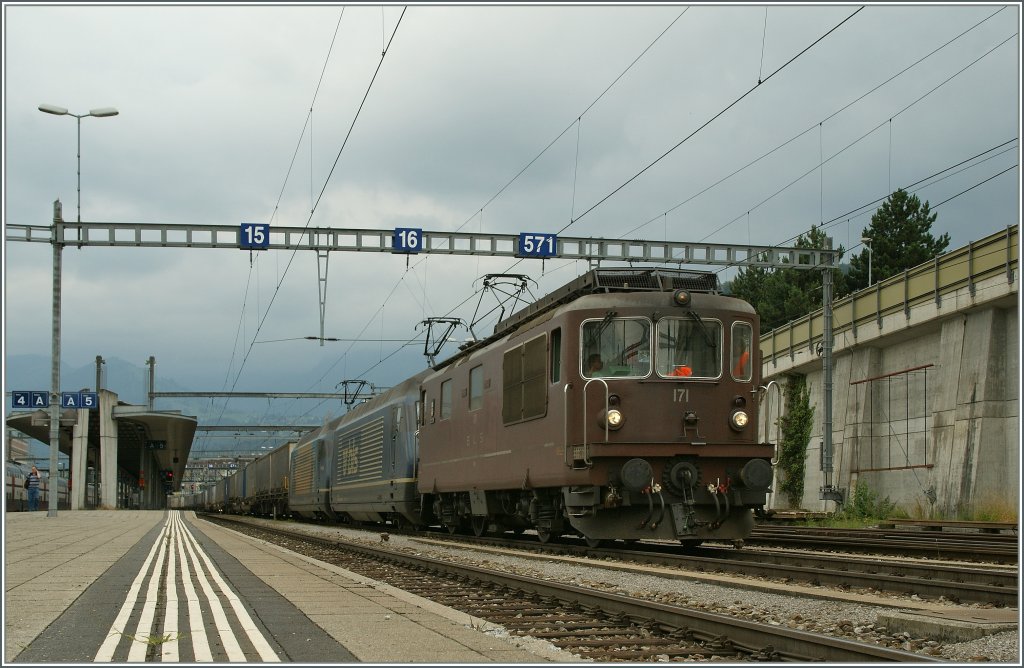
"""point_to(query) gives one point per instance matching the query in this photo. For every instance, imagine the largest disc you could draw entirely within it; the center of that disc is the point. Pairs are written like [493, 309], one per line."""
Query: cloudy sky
[609, 121]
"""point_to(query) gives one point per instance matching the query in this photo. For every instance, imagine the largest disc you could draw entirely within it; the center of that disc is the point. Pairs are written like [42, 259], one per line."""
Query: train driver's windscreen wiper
[712, 343]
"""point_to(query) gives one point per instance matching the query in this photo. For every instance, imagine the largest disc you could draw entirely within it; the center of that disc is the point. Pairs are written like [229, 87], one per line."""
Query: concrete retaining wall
[943, 437]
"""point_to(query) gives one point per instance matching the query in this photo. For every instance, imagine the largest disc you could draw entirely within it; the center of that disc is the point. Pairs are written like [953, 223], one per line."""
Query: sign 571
[533, 244]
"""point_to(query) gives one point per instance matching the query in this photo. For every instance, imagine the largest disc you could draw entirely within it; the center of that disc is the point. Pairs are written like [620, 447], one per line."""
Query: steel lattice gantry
[155, 235]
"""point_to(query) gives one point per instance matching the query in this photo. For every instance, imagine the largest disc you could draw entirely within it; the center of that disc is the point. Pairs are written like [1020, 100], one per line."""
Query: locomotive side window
[619, 347]
[742, 349]
[689, 347]
[476, 388]
[524, 390]
[556, 355]
[446, 399]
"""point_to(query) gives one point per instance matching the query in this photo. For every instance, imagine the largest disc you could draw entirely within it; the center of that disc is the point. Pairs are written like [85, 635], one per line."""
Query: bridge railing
[965, 267]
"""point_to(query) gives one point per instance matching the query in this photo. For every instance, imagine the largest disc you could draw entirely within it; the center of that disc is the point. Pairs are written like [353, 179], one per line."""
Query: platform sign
[254, 236]
[70, 399]
[407, 240]
[156, 445]
[90, 400]
[532, 244]
[36, 399]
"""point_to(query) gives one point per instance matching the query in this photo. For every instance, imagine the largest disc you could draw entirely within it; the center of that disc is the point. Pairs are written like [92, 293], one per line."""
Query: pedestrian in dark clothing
[32, 485]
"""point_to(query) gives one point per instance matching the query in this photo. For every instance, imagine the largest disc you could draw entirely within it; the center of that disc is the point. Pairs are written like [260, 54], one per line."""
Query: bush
[864, 504]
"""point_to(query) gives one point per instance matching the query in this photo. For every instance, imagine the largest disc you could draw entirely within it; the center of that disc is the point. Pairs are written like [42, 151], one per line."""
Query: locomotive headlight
[681, 297]
[738, 420]
[614, 419]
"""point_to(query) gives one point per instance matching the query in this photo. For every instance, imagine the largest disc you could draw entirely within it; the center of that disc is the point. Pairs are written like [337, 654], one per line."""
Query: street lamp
[102, 112]
[58, 245]
[867, 244]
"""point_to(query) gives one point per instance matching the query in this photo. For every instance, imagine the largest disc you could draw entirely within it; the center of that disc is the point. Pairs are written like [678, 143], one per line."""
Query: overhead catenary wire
[348, 134]
[314, 205]
[835, 113]
[710, 120]
[859, 139]
[577, 118]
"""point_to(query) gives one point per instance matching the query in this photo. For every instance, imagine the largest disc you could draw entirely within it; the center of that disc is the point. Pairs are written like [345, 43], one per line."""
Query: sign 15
[254, 236]
[537, 245]
[407, 240]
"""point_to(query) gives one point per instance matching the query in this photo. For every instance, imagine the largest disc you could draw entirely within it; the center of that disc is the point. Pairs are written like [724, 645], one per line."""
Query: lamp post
[58, 245]
[102, 112]
[867, 244]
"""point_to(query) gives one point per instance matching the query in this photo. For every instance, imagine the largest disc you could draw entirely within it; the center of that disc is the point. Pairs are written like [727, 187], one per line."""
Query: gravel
[837, 618]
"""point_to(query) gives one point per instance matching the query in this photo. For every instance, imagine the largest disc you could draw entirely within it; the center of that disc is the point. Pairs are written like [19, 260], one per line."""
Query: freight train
[16, 496]
[624, 405]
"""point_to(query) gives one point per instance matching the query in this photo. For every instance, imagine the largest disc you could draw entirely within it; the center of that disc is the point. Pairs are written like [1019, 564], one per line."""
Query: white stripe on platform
[169, 648]
[106, 650]
[197, 629]
[227, 635]
[144, 629]
[256, 637]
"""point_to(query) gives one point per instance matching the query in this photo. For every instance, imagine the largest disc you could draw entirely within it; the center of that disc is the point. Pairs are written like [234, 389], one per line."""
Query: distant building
[17, 448]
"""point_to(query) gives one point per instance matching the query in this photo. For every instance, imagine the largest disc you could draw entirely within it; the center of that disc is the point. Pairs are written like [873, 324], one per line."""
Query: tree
[901, 238]
[795, 427]
[782, 295]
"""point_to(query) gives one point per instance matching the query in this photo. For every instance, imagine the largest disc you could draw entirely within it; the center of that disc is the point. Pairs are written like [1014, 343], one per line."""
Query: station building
[122, 455]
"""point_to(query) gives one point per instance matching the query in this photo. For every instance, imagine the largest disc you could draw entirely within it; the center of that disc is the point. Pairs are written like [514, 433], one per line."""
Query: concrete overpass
[926, 380]
[127, 445]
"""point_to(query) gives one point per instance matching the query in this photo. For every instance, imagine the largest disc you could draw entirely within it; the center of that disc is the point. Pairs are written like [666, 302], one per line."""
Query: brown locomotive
[622, 406]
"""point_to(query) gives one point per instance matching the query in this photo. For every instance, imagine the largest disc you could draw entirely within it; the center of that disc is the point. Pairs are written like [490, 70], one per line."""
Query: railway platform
[140, 586]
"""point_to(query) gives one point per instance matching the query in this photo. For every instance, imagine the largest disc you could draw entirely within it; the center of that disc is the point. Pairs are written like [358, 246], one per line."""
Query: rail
[930, 282]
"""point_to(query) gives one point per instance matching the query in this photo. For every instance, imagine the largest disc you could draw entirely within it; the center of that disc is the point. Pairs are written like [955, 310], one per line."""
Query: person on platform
[32, 485]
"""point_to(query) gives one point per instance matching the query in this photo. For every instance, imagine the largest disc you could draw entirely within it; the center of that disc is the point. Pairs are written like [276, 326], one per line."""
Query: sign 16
[407, 240]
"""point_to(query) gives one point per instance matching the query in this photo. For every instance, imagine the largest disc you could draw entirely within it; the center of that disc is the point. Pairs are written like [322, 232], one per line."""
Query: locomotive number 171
[680, 395]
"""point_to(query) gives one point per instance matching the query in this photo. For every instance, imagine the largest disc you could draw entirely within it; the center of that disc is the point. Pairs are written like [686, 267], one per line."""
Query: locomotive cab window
[615, 347]
[742, 351]
[689, 347]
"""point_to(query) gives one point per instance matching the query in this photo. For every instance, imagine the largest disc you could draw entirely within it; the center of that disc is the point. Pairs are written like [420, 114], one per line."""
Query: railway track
[593, 624]
[949, 545]
[927, 580]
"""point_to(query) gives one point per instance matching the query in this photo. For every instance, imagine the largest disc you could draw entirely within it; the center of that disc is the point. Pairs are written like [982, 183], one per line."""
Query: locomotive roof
[623, 279]
[615, 280]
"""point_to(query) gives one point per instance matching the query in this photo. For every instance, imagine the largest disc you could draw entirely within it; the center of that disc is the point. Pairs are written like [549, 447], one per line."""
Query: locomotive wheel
[452, 528]
[689, 544]
[479, 525]
[593, 543]
[544, 535]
